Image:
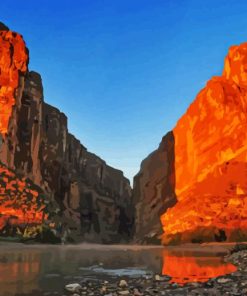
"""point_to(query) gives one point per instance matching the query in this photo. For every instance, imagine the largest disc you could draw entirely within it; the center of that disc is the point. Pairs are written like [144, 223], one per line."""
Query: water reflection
[185, 268]
[28, 269]
[19, 272]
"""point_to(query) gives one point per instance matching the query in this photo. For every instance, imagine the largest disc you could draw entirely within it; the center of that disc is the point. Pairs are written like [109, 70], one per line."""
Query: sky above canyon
[125, 71]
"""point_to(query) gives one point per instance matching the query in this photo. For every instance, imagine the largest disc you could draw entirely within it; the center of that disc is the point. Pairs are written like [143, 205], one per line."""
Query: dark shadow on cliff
[154, 191]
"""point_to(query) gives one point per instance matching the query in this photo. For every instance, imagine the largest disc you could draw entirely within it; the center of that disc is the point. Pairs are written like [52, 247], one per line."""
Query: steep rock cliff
[92, 200]
[211, 160]
[210, 163]
[13, 66]
[154, 191]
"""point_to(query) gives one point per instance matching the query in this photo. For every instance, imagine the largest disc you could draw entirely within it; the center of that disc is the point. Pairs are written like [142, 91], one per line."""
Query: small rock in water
[123, 284]
[75, 287]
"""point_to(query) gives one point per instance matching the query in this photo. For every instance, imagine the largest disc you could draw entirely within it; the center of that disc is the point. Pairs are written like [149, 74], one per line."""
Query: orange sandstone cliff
[13, 66]
[210, 163]
[21, 201]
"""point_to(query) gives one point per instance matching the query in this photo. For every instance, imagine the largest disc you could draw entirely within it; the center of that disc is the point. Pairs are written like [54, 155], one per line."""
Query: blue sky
[125, 71]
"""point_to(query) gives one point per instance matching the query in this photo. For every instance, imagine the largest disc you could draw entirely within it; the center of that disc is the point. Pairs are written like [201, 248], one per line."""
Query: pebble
[103, 289]
[223, 280]
[75, 287]
[123, 284]
[136, 292]
[157, 278]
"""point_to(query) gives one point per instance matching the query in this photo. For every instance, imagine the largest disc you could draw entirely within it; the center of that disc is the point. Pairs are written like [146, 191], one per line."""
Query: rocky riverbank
[231, 284]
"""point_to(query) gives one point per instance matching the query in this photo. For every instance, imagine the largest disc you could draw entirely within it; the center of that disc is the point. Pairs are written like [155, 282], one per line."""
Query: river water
[25, 269]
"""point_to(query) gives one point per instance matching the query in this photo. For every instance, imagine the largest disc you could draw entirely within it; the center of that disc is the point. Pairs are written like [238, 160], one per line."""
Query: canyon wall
[92, 200]
[193, 188]
[210, 163]
[154, 191]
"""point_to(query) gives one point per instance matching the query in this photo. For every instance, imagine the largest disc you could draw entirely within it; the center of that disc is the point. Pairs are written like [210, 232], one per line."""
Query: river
[28, 269]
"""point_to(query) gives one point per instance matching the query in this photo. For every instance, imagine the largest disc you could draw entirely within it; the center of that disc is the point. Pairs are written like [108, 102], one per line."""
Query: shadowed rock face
[93, 200]
[154, 191]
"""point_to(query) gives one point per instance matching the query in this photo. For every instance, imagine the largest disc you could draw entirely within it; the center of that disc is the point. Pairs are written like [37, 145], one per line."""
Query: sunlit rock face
[211, 160]
[21, 202]
[13, 64]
